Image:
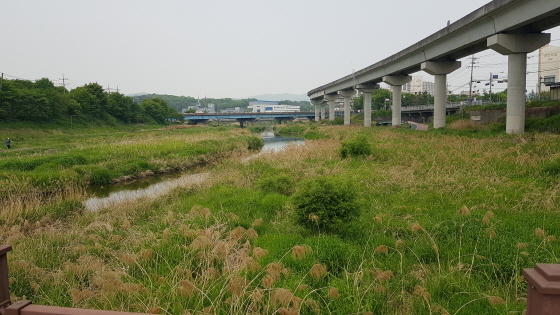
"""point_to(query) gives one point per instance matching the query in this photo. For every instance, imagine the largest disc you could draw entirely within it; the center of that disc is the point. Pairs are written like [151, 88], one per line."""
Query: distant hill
[281, 97]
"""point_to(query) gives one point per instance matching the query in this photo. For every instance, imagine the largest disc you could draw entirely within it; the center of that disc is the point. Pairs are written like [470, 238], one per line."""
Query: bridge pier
[516, 47]
[280, 119]
[367, 89]
[243, 120]
[440, 70]
[195, 122]
[396, 82]
[330, 98]
[323, 111]
[347, 94]
[317, 102]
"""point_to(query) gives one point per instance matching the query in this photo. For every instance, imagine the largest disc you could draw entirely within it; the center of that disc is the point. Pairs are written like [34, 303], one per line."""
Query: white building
[428, 87]
[271, 107]
[417, 85]
[231, 110]
[549, 68]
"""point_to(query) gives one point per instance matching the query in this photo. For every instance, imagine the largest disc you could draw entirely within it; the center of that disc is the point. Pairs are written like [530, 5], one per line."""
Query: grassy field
[58, 163]
[448, 221]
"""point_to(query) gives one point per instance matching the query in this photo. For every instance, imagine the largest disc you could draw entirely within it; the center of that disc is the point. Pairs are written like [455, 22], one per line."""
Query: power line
[64, 82]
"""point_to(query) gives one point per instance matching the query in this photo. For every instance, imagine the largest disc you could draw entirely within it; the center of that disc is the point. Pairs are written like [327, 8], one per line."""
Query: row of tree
[42, 101]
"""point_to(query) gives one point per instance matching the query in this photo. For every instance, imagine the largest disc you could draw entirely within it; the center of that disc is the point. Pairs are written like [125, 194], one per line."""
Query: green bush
[291, 129]
[100, 176]
[325, 203]
[356, 147]
[550, 124]
[281, 183]
[257, 129]
[255, 143]
[338, 120]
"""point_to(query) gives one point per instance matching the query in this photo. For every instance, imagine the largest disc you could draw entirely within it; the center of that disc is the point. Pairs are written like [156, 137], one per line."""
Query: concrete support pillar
[347, 94]
[516, 47]
[331, 98]
[317, 102]
[440, 70]
[323, 111]
[367, 89]
[396, 82]
[517, 81]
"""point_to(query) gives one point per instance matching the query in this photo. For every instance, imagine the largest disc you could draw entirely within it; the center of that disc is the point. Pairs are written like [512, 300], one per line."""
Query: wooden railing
[26, 308]
[543, 296]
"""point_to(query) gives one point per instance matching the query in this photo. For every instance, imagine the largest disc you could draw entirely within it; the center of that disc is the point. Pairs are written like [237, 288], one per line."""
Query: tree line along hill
[42, 101]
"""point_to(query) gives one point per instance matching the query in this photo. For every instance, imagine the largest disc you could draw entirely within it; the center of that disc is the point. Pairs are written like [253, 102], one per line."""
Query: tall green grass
[448, 222]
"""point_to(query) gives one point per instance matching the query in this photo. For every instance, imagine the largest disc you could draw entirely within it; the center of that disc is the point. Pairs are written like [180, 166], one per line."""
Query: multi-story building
[549, 70]
[271, 107]
[417, 85]
[428, 87]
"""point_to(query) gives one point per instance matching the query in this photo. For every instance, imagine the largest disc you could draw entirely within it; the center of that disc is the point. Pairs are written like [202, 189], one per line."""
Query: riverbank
[448, 221]
[43, 163]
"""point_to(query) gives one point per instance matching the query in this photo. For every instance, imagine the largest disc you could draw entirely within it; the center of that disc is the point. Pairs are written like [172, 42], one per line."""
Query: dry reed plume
[151, 255]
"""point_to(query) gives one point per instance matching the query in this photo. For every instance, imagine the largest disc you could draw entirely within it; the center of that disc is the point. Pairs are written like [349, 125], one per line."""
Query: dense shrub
[541, 103]
[255, 143]
[280, 183]
[356, 147]
[100, 176]
[257, 129]
[338, 120]
[550, 124]
[325, 203]
[291, 129]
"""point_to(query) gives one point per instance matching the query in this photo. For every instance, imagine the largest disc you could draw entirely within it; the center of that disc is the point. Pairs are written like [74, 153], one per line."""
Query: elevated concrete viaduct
[510, 27]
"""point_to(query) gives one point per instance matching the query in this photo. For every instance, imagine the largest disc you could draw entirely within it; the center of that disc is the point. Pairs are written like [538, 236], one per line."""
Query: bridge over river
[243, 117]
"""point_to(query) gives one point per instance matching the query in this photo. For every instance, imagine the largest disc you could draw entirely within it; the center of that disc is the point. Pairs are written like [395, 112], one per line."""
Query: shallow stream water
[152, 187]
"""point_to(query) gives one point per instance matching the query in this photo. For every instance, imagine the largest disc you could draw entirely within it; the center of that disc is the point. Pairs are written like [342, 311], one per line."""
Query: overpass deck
[459, 39]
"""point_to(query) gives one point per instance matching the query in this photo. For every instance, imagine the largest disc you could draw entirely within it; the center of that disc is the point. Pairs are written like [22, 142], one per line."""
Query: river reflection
[276, 143]
[151, 191]
[152, 187]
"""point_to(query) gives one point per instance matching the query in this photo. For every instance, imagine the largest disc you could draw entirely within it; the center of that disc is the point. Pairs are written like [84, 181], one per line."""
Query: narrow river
[153, 187]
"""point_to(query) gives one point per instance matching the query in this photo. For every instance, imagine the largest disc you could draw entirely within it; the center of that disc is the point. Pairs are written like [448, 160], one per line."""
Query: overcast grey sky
[218, 48]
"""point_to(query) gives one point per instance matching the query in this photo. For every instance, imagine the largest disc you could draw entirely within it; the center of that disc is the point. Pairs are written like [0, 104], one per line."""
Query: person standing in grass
[8, 143]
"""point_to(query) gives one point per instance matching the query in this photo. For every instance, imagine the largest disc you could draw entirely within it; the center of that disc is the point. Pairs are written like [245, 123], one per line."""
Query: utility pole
[490, 87]
[64, 82]
[471, 82]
